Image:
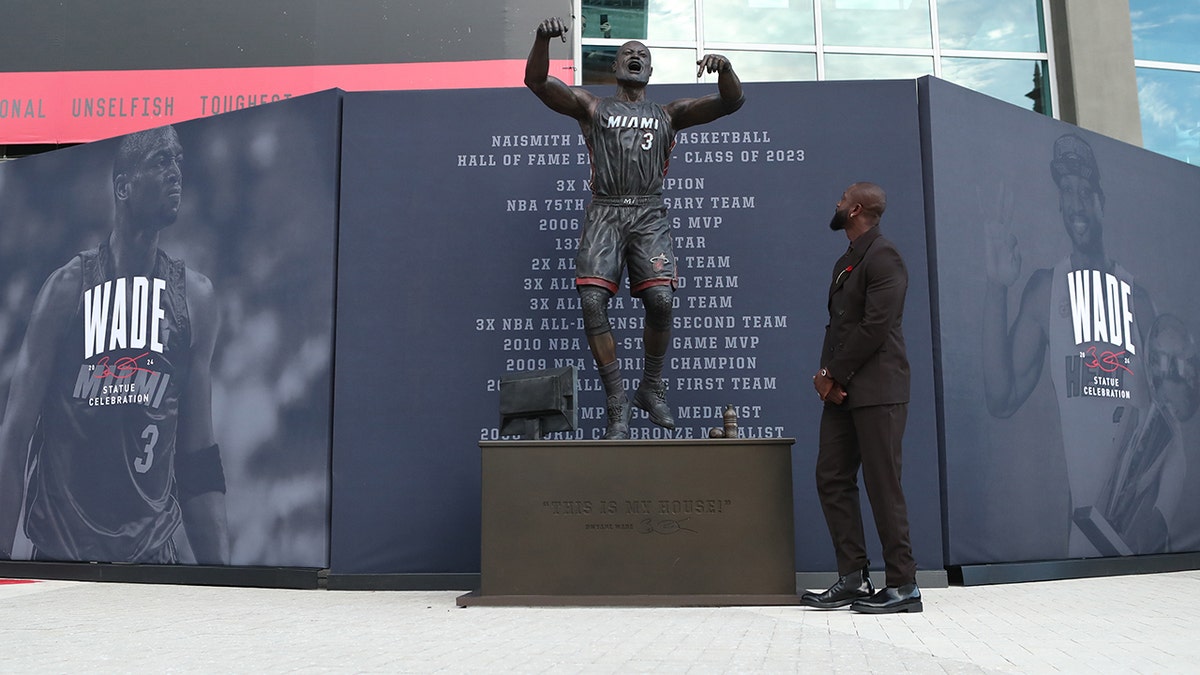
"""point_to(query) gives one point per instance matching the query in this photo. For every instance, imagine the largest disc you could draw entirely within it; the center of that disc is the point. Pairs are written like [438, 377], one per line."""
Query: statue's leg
[651, 394]
[594, 300]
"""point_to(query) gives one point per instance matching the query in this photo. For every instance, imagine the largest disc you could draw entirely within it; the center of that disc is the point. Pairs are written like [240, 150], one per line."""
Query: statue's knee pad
[594, 301]
[658, 301]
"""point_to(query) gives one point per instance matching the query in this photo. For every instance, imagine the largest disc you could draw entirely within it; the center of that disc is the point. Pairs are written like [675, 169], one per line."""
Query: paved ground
[1146, 623]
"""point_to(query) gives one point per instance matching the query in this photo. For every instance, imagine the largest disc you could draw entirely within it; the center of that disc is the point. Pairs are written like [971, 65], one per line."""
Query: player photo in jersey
[115, 364]
[1122, 376]
[141, 410]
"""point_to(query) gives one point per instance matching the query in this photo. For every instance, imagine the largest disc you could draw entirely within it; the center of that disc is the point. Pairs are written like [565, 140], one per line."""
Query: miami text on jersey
[631, 122]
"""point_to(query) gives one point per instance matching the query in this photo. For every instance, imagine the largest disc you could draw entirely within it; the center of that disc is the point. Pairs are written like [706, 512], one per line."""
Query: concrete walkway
[1145, 623]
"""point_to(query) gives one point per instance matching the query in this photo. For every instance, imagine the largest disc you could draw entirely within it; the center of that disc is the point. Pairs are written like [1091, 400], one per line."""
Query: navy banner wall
[460, 213]
[256, 200]
[1066, 285]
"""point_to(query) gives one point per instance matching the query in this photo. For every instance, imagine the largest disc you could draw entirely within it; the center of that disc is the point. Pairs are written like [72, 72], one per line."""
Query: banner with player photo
[166, 336]
[1067, 317]
[460, 218]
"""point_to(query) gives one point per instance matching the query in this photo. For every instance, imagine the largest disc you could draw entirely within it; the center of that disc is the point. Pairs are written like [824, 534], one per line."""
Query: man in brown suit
[864, 382]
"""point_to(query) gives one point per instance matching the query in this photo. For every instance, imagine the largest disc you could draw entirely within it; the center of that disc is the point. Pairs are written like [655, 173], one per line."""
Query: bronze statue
[630, 140]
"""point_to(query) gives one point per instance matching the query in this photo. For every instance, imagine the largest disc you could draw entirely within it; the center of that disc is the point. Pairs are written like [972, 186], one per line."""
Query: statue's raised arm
[689, 112]
[570, 101]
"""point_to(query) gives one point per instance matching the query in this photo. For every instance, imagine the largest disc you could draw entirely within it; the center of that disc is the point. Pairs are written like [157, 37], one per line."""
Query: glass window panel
[773, 22]
[672, 20]
[876, 23]
[671, 66]
[770, 66]
[614, 19]
[1166, 30]
[1170, 105]
[872, 67]
[1021, 83]
[998, 25]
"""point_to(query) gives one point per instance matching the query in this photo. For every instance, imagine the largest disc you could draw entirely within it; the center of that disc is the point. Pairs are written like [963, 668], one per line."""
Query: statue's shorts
[626, 231]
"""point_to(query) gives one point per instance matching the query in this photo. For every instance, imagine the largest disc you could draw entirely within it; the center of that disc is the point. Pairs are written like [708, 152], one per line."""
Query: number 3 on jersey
[647, 140]
[150, 435]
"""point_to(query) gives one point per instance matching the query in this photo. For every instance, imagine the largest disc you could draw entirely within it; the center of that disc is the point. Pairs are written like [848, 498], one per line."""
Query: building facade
[1130, 70]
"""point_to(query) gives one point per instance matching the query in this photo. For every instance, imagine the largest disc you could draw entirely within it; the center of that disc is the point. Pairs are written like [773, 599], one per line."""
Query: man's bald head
[872, 198]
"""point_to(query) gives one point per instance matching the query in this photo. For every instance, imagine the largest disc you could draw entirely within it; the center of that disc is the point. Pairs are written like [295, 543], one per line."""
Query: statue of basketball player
[630, 140]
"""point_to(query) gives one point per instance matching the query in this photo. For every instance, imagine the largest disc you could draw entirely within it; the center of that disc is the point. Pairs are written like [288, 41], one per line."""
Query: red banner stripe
[81, 106]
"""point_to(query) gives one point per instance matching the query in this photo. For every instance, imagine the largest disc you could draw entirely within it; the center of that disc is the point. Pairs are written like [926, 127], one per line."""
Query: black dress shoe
[853, 586]
[906, 598]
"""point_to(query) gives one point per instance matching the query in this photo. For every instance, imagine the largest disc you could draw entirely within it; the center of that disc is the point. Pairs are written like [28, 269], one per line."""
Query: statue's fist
[712, 63]
[552, 28]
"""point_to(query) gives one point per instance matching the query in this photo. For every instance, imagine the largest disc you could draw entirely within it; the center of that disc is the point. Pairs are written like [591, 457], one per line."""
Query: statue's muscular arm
[570, 101]
[690, 112]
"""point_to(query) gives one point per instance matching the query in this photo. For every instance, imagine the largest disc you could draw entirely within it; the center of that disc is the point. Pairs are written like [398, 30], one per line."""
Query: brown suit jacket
[864, 344]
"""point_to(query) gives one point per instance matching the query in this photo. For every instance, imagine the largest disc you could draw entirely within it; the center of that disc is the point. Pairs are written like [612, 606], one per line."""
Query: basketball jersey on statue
[631, 147]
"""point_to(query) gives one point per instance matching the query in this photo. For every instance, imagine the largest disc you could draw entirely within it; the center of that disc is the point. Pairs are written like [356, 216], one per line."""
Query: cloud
[1153, 98]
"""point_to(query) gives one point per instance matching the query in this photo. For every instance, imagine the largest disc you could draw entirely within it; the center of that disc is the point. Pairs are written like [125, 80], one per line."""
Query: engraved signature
[664, 526]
